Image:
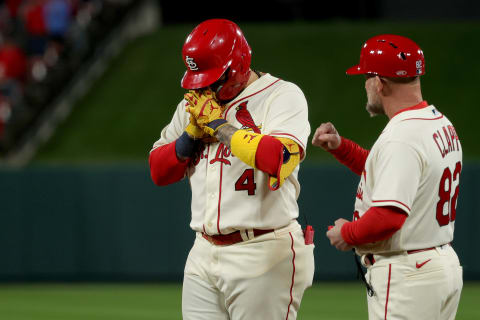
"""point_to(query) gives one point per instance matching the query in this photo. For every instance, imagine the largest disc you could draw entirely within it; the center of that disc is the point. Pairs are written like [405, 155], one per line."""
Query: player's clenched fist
[203, 106]
[326, 137]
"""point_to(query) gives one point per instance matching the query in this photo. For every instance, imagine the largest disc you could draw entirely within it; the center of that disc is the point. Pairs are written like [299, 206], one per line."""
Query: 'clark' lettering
[446, 140]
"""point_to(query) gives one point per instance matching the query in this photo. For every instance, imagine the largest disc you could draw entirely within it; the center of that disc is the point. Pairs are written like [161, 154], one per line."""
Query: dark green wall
[112, 223]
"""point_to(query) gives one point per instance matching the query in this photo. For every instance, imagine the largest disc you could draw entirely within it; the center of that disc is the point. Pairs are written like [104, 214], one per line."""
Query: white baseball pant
[422, 285]
[262, 278]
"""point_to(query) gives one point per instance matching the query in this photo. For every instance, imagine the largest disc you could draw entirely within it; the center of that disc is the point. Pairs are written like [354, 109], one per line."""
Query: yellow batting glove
[204, 107]
[193, 130]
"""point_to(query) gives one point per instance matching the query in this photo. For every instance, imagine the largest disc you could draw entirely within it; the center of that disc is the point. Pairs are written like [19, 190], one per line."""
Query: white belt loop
[244, 235]
[250, 234]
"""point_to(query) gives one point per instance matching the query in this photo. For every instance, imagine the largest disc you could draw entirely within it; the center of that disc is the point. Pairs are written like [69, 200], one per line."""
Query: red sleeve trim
[165, 167]
[378, 223]
[351, 155]
[269, 155]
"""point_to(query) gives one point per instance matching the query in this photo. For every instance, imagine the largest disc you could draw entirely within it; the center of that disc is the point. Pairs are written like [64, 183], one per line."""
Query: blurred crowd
[43, 43]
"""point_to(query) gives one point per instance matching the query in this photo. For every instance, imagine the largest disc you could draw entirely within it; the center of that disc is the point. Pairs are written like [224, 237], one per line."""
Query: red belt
[372, 259]
[419, 250]
[231, 238]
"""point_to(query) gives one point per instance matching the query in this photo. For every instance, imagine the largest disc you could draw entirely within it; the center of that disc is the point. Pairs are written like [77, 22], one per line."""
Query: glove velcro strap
[244, 146]
[290, 160]
[212, 127]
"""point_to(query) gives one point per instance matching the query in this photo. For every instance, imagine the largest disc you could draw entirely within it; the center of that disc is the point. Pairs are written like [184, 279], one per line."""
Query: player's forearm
[378, 223]
[351, 155]
[165, 166]
[225, 134]
[267, 156]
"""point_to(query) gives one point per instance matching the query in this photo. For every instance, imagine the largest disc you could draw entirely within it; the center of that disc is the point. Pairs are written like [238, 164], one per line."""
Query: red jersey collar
[421, 105]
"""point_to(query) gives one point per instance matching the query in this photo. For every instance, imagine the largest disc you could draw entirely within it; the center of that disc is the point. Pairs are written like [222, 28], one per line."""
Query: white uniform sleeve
[175, 128]
[287, 116]
[397, 170]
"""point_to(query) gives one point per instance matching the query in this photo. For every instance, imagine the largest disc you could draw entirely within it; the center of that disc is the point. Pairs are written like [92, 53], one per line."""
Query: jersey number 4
[246, 182]
[446, 199]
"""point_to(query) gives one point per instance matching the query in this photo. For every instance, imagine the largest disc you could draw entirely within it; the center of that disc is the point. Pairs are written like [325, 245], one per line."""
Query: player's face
[374, 103]
[217, 85]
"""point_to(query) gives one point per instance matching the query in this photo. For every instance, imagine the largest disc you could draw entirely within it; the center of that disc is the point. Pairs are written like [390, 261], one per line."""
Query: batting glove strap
[212, 127]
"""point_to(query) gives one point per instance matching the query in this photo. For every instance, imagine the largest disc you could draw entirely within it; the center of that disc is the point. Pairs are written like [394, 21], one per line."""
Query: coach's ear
[383, 86]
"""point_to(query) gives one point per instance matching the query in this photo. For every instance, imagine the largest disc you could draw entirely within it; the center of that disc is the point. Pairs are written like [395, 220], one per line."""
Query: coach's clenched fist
[326, 137]
[335, 236]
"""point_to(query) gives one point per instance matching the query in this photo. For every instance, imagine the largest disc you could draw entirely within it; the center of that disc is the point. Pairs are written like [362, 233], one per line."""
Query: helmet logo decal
[191, 63]
[418, 64]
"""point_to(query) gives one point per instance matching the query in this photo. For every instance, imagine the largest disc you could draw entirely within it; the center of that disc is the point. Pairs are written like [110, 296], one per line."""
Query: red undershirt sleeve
[165, 167]
[378, 223]
[351, 155]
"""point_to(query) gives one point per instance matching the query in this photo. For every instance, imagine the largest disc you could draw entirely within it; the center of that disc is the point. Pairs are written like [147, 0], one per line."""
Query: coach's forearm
[225, 133]
[377, 224]
[351, 155]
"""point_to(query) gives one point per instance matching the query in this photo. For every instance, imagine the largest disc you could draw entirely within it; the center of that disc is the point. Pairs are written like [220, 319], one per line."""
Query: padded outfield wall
[112, 223]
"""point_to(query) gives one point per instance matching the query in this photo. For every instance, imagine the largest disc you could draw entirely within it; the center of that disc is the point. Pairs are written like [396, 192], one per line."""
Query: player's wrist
[339, 147]
[184, 147]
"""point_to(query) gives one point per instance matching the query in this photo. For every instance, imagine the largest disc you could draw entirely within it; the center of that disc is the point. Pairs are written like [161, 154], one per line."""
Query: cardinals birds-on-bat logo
[245, 118]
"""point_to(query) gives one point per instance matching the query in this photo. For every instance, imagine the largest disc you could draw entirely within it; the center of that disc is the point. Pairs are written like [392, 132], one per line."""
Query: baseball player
[406, 200]
[238, 136]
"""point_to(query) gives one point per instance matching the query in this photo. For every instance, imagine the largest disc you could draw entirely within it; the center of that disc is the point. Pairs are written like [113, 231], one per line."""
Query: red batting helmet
[390, 55]
[213, 47]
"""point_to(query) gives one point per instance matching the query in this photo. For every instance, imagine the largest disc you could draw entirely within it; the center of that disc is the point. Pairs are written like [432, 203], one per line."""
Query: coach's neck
[398, 96]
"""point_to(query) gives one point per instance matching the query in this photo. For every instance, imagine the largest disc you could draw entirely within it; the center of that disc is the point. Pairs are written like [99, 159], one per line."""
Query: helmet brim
[196, 80]
[355, 70]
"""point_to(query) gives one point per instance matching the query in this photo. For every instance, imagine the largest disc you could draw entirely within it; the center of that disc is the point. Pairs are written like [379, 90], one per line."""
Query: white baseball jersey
[229, 195]
[414, 165]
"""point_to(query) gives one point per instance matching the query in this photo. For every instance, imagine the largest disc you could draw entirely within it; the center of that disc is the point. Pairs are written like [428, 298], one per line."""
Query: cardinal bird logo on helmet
[245, 118]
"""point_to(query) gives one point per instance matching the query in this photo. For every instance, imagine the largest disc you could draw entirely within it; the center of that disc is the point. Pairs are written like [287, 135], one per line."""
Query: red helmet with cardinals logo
[214, 48]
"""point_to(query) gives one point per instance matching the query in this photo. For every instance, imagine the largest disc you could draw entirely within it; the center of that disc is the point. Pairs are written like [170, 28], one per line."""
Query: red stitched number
[246, 182]
[444, 191]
